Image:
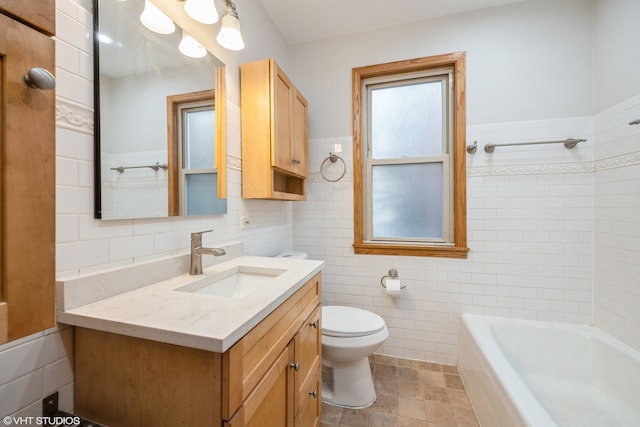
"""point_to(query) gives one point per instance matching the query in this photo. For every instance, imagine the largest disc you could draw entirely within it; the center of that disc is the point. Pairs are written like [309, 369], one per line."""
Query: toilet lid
[340, 321]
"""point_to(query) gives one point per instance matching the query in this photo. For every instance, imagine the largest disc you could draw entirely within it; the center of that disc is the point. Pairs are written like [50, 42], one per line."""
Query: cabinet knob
[295, 366]
[313, 393]
[39, 78]
[314, 324]
[296, 162]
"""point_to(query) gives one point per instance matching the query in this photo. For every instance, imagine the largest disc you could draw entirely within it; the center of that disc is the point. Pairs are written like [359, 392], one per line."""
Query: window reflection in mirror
[136, 72]
[192, 157]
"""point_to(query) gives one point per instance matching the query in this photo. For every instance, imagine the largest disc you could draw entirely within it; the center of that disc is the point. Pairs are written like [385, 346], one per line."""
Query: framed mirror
[160, 120]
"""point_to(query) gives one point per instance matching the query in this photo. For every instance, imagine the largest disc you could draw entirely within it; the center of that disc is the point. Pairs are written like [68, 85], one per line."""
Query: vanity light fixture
[203, 11]
[190, 46]
[230, 35]
[155, 20]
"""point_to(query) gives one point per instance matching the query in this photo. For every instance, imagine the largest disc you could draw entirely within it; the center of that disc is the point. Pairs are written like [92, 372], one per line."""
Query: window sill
[411, 250]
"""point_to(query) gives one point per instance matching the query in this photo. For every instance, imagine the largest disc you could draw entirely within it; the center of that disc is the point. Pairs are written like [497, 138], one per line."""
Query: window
[193, 176]
[409, 157]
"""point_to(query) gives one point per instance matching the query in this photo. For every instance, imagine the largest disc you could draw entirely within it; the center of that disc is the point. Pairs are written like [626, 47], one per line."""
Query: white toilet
[349, 336]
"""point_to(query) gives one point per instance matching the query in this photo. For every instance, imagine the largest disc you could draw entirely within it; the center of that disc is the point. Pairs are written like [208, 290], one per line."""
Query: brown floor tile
[410, 393]
[432, 378]
[453, 381]
[386, 403]
[440, 413]
[459, 398]
[410, 389]
[331, 414]
[438, 394]
[450, 369]
[411, 408]
[378, 419]
[383, 370]
[354, 417]
[419, 364]
[412, 422]
[465, 417]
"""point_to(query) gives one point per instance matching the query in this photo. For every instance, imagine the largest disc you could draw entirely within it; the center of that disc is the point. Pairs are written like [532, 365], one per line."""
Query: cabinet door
[300, 138]
[39, 14]
[282, 119]
[27, 184]
[308, 349]
[270, 404]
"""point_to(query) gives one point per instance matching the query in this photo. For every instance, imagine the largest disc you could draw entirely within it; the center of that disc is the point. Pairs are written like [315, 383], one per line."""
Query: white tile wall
[617, 222]
[530, 231]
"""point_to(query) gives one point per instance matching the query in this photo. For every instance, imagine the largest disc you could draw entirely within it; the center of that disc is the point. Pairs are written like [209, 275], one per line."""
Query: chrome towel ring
[333, 158]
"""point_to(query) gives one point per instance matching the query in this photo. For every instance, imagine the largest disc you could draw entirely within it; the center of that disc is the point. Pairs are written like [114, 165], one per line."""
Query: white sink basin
[237, 282]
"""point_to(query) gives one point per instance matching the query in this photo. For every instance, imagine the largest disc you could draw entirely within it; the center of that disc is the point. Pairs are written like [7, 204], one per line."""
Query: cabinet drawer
[309, 400]
[38, 14]
[248, 360]
[308, 350]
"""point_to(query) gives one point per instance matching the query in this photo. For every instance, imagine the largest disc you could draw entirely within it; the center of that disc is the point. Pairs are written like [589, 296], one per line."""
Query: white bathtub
[542, 374]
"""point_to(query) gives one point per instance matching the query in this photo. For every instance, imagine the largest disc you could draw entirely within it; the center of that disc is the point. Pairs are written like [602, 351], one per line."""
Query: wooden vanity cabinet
[275, 138]
[27, 171]
[270, 378]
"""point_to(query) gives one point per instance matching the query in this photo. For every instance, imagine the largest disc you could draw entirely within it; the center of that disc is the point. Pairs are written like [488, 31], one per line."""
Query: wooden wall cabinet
[269, 378]
[27, 172]
[275, 138]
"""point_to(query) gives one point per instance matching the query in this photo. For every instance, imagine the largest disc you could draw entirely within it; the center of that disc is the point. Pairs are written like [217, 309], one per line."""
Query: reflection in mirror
[137, 75]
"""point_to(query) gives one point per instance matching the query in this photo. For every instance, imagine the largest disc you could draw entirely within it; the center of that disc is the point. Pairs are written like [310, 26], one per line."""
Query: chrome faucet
[197, 251]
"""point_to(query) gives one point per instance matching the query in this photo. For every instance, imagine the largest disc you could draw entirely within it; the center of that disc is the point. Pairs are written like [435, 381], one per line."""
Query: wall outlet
[50, 405]
[337, 148]
[245, 222]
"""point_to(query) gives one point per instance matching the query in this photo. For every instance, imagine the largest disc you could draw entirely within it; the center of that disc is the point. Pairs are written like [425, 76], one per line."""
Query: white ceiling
[307, 20]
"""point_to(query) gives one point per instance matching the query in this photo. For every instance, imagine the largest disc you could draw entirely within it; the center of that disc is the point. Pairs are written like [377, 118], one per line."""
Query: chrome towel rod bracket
[568, 143]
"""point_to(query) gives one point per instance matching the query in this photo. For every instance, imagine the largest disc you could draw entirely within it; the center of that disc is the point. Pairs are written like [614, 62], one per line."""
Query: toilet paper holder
[393, 274]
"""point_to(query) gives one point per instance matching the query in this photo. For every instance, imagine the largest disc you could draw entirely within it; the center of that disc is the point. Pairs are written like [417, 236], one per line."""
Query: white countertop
[159, 312]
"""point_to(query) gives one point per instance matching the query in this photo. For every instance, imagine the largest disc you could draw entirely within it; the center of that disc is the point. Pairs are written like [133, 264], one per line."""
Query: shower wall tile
[617, 222]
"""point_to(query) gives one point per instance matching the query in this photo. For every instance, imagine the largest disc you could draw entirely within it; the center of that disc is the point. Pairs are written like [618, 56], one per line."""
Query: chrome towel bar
[568, 143]
[155, 167]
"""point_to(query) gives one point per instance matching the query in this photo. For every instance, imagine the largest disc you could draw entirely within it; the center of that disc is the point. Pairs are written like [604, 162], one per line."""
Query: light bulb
[203, 11]
[230, 35]
[155, 20]
[191, 47]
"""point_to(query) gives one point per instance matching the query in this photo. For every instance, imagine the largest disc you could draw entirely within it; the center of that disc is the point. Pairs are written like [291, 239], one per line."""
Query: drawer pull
[39, 78]
[314, 324]
[313, 393]
[295, 366]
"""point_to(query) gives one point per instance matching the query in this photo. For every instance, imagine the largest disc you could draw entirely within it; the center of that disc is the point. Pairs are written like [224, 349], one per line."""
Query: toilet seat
[341, 321]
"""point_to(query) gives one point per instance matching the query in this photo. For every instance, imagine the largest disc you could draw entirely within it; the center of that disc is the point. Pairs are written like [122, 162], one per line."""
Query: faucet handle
[197, 236]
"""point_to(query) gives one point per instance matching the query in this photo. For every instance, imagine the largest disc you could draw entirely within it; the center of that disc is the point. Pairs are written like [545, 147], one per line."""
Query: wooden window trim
[459, 249]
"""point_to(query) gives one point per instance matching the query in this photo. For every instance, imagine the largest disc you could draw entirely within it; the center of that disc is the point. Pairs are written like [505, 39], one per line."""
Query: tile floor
[410, 393]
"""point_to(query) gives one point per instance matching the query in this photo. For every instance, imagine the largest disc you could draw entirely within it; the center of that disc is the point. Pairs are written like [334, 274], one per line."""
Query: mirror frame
[220, 115]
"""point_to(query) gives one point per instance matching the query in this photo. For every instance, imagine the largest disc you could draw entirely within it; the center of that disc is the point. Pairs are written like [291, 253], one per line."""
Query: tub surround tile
[405, 402]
